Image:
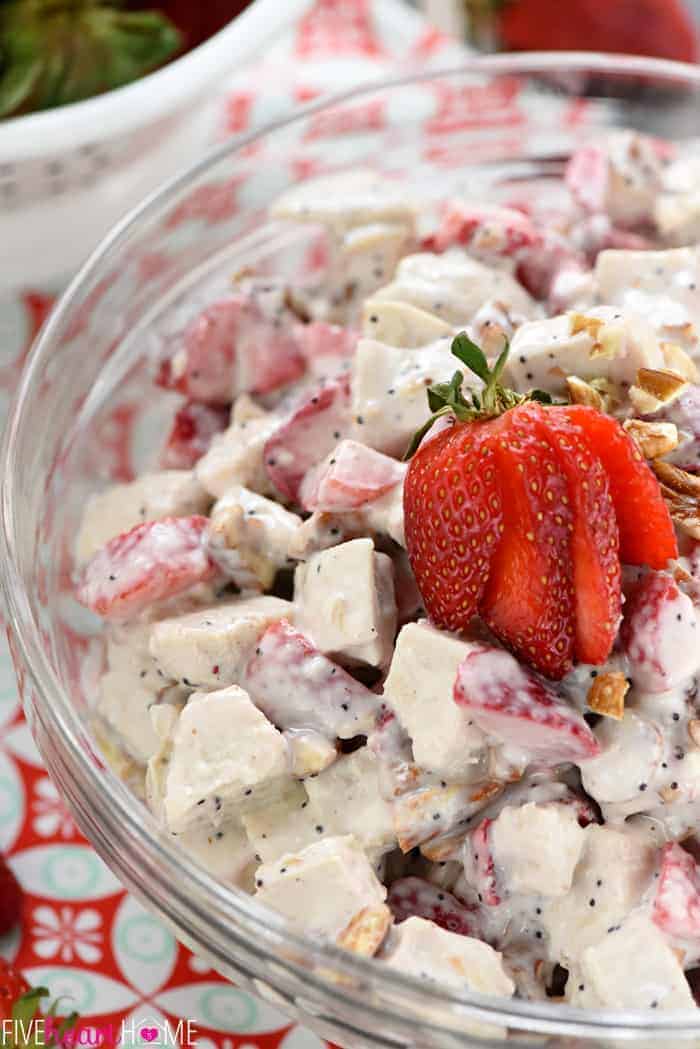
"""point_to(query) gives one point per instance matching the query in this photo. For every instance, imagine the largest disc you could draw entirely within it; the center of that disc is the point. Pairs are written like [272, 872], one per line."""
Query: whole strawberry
[10, 899]
[522, 511]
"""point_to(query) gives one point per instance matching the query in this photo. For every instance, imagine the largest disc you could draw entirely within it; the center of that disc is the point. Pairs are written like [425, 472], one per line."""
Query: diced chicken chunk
[632, 967]
[603, 343]
[454, 286]
[211, 647]
[419, 689]
[347, 200]
[124, 703]
[401, 324]
[321, 888]
[421, 948]
[612, 875]
[621, 778]
[536, 848]
[225, 753]
[389, 384]
[171, 493]
[235, 457]
[285, 824]
[224, 852]
[346, 604]
[249, 537]
[347, 799]
[661, 286]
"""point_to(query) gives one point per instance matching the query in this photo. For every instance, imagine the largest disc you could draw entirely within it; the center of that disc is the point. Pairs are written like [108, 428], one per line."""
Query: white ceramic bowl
[68, 174]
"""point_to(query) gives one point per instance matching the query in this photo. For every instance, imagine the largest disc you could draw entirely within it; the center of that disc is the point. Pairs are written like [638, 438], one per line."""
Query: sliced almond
[678, 361]
[694, 730]
[669, 794]
[606, 695]
[446, 848]
[579, 322]
[678, 481]
[664, 385]
[581, 392]
[365, 932]
[653, 439]
[642, 402]
[681, 492]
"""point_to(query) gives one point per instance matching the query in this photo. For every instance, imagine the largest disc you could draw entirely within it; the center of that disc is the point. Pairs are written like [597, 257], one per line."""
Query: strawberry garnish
[594, 538]
[529, 599]
[10, 899]
[646, 529]
[521, 512]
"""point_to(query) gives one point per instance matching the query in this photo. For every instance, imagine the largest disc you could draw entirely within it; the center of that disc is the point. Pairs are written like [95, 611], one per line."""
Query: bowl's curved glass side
[88, 413]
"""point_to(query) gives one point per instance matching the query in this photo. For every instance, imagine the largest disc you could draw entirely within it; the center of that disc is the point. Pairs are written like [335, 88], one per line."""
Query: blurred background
[664, 28]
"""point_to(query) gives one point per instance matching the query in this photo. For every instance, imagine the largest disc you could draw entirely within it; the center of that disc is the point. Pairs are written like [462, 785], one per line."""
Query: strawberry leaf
[472, 355]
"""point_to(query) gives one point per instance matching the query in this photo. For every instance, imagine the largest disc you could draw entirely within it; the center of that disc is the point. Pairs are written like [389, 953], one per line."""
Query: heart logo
[149, 1034]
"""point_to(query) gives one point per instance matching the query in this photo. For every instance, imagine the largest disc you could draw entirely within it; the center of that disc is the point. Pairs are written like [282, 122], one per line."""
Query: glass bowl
[87, 412]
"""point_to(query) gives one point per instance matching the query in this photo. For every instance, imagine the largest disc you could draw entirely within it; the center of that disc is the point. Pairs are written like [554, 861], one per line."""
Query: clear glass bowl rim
[191, 900]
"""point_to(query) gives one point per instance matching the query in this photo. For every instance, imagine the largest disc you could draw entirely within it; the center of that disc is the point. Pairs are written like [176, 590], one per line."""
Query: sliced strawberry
[485, 229]
[409, 897]
[242, 343]
[350, 476]
[587, 177]
[193, 428]
[646, 530]
[529, 599]
[677, 901]
[306, 435]
[659, 633]
[325, 347]
[296, 686]
[453, 520]
[154, 561]
[594, 539]
[509, 702]
[480, 864]
[202, 364]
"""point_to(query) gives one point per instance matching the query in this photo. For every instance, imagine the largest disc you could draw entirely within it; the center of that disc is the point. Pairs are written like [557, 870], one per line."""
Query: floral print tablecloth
[81, 934]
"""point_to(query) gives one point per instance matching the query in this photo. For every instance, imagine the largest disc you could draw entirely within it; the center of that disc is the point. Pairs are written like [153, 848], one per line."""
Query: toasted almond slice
[678, 481]
[694, 730]
[581, 393]
[365, 932]
[579, 322]
[664, 385]
[684, 511]
[653, 439]
[643, 402]
[669, 794]
[606, 695]
[678, 361]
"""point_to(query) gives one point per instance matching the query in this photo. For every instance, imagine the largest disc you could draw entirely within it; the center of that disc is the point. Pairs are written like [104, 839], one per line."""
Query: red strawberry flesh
[529, 600]
[647, 536]
[594, 539]
[453, 521]
[509, 702]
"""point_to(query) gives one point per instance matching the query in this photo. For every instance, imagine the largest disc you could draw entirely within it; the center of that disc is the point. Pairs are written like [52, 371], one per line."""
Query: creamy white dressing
[312, 750]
